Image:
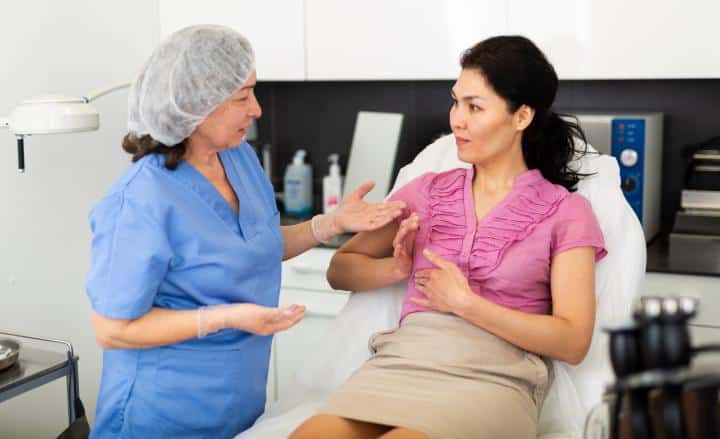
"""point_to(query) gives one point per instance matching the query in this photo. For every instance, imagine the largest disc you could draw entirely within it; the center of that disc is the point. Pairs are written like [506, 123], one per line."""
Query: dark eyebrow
[466, 98]
[248, 86]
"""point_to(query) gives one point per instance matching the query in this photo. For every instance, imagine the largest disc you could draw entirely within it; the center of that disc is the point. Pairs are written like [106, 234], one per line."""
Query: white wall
[70, 47]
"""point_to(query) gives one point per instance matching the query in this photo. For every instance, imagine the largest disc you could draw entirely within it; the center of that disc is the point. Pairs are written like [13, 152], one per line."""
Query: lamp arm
[102, 92]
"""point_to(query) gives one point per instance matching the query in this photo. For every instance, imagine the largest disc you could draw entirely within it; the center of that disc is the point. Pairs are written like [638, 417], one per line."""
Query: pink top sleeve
[414, 194]
[577, 226]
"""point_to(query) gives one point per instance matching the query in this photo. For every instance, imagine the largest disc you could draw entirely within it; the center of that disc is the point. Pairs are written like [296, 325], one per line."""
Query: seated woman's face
[480, 121]
[227, 125]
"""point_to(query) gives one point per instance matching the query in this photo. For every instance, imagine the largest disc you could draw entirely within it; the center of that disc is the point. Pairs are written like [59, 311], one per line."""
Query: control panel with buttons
[628, 145]
[635, 139]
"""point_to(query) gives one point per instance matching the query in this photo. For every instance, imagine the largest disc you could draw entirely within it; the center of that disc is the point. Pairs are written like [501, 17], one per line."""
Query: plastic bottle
[332, 185]
[298, 187]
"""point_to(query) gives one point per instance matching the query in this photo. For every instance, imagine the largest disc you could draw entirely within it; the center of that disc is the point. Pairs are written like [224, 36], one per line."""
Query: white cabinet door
[294, 346]
[275, 29]
[423, 39]
[398, 39]
[617, 39]
[561, 34]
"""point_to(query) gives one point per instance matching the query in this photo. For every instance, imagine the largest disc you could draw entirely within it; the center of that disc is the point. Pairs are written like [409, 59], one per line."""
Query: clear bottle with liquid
[298, 187]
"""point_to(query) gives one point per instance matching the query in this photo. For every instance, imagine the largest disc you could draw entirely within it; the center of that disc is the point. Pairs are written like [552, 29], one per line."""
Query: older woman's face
[227, 125]
[480, 121]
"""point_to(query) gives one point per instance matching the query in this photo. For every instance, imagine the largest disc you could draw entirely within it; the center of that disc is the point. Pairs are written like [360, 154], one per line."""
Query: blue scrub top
[168, 239]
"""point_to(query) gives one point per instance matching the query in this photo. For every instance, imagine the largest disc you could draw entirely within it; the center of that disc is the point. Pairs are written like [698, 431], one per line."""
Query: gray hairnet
[190, 74]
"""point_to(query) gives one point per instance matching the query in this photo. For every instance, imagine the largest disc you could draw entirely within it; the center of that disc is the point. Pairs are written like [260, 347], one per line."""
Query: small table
[36, 367]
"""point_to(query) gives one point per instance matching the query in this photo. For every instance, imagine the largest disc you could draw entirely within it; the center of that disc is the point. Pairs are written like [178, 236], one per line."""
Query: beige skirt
[445, 377]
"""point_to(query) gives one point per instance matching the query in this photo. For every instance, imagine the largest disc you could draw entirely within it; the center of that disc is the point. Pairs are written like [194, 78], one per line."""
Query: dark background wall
[320, 117]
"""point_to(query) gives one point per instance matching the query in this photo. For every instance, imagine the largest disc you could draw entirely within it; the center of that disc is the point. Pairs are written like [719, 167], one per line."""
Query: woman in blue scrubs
[187, 247]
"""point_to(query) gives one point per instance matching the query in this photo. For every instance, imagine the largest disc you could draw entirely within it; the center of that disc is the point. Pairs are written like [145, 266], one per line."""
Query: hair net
[190, 74]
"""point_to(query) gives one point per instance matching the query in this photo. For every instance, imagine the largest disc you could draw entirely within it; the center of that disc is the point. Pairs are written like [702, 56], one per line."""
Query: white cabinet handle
[307, 269]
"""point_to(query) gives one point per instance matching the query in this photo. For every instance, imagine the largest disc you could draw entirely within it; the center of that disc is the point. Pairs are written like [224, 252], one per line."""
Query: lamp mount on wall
[54, 114]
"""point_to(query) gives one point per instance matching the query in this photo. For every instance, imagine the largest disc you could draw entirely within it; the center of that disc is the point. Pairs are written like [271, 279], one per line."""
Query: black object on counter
[647, 314]
[624, 349]
[657, 393]
[675, 315]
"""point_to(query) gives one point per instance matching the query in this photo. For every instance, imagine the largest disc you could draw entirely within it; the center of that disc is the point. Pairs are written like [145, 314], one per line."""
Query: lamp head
[54, 114]
[51, 114]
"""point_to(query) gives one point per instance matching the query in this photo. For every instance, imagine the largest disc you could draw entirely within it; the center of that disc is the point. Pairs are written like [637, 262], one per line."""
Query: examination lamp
[53, 114]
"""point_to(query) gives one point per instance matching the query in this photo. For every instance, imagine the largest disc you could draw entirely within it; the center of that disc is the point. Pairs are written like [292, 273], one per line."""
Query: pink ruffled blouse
[506, 255]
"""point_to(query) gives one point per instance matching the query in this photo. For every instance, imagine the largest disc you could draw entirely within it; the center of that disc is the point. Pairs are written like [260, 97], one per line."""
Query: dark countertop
[31, 364]
[33, 368]
[659, 260]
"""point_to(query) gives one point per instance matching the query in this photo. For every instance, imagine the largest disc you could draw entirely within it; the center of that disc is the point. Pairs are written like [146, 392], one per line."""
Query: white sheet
[575, 388]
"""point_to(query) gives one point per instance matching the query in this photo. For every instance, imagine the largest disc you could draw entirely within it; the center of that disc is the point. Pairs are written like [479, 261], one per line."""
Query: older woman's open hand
[263, 320]
[250, 317]
[356, 215]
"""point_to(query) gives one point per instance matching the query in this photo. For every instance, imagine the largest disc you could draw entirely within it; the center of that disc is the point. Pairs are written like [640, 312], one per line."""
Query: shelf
[36, 367]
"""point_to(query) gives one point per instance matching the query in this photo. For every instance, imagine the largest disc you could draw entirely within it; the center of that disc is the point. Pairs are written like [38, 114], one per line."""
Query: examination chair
[575, 389]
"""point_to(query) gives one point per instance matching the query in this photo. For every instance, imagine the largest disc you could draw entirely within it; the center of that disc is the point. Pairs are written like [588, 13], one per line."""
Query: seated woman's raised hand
[403, 245]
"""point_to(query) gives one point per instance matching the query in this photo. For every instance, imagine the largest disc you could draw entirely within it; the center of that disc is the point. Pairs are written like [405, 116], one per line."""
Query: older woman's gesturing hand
[446, 288]
[263, 320]
[256, 319]
[403, 245]
[356, 215]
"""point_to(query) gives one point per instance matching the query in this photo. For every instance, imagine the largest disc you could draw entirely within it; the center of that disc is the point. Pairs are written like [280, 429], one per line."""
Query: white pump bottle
[332, 185]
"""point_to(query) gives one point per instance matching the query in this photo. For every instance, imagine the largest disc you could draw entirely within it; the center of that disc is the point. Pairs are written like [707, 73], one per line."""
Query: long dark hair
[521, 74]
[140, 146]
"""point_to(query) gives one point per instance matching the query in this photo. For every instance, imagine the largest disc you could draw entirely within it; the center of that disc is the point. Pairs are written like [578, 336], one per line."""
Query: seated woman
[501, 265]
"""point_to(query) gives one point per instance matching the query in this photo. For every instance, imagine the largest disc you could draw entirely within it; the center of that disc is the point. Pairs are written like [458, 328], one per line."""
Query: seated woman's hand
[403, 245]
[356, 215]
[445, 287]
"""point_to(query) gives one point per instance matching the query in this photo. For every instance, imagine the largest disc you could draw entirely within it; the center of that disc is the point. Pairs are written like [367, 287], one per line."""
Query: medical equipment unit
[635, 140]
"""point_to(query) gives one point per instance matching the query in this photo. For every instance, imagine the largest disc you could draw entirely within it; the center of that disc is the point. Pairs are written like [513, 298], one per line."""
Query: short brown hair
[140, 146]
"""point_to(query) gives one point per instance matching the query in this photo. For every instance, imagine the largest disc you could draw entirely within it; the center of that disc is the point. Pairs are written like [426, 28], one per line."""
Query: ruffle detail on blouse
[447, 212]
[532, 200]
